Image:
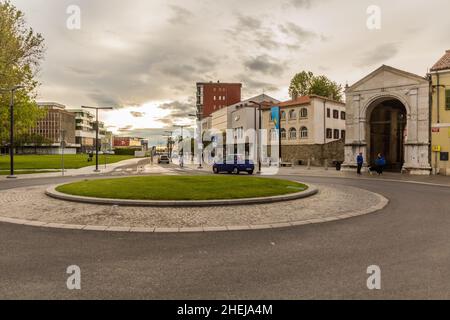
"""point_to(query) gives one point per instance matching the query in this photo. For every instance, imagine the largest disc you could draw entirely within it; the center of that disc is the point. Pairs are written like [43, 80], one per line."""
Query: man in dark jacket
[380, 164]
[360, 162]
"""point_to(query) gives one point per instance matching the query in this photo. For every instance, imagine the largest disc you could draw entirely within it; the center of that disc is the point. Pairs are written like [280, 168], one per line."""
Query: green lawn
[182, 188]
[40, 162]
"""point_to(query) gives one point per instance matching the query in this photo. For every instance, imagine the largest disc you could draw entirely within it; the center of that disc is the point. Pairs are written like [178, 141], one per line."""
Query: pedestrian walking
[380, 164]
[360, 162]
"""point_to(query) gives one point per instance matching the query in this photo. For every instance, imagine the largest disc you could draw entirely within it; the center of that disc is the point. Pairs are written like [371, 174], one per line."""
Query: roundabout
[181, 191]
[284, 206]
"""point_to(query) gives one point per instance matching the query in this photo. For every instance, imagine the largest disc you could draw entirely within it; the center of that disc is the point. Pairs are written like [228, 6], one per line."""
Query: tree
[33, 139]
[21, 51]
[306, 83]
[301, 84]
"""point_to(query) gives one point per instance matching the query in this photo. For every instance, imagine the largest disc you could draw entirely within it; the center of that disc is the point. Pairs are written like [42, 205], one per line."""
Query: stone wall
[318, 153]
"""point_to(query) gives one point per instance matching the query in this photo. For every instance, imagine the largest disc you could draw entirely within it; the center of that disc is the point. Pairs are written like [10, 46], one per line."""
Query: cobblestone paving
[32, 204]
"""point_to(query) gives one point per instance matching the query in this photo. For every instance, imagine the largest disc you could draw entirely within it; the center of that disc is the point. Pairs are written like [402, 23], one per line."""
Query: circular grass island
[182, 188]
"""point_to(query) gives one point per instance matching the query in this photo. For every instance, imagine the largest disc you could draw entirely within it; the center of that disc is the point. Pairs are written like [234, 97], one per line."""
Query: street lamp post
[169, 143]
[11, 132]
[63, 146]
[96, 131]
[259, 134]
[182, 139]
[199, 139]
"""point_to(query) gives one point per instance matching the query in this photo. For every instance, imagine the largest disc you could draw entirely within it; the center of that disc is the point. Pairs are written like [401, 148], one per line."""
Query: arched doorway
[387, 132]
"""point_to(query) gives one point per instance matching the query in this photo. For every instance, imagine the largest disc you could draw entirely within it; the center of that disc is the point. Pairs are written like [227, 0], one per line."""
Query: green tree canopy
[21, 51]
[306, 83]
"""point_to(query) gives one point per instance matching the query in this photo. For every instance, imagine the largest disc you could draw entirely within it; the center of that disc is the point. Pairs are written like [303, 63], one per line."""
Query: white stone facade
[387, 83]
[322, 121]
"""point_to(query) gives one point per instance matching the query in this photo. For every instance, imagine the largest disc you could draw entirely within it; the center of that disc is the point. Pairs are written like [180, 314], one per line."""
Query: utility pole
[11, 132]
[199, 138]
[96, 132]
[182, 138]
[259, 134]
[279, 136]
[169, 143]
[63, 146]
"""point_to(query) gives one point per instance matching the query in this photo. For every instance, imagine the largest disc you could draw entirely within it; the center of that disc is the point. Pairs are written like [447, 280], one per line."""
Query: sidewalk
[333, 173]
[79, 172]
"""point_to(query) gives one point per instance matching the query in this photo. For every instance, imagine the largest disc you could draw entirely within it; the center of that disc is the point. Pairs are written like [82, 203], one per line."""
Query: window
[335, 114]
[447, 99]
[283, 133]
[215, 98]
[273, 134]
[328, 113]
[329, 134]
[304, 113]
[343, 115]
[292, 134]
[283, 115]
[304, 132]
[292, 115]
[336, 134]
[343, 134]
[239, 133]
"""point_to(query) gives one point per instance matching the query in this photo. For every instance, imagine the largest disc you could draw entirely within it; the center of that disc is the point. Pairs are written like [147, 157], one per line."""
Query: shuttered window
[447, 99]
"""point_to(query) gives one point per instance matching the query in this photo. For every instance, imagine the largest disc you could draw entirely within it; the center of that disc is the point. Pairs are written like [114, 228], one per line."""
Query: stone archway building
[392, 105]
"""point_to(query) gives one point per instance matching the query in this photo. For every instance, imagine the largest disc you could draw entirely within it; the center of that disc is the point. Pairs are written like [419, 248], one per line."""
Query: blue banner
[275, 116]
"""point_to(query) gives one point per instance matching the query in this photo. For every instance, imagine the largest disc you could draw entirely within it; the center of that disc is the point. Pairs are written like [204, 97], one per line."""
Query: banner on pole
[275, 116]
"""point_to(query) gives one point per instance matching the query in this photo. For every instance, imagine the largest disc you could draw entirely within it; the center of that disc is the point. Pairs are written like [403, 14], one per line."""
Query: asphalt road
[409, 240]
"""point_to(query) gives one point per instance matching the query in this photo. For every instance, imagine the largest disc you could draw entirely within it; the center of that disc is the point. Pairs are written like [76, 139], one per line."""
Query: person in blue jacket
[360, 162]
[380, 164]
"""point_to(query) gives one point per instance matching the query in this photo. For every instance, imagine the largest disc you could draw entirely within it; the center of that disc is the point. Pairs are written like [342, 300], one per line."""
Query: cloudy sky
[143, 57]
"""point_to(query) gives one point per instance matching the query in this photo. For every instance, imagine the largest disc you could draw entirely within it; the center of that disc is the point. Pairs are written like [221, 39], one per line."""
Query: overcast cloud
[144, 57]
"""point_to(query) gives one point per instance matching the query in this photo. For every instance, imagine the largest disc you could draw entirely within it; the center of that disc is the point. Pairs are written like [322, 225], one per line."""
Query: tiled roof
[295, 102]
[304, 100]
[443, 63]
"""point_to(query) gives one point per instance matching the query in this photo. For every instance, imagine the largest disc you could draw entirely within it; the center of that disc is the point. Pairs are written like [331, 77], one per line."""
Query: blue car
[234, 164]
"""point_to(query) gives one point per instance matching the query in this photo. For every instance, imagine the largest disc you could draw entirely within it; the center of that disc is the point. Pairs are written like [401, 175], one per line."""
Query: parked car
[164, 159]
[234, 164]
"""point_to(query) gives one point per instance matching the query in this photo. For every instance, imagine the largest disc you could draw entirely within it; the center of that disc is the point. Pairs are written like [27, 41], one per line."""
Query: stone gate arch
[398, 99]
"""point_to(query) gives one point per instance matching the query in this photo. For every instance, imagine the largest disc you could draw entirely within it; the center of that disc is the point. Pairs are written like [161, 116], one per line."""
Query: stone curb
[51, 192]
[319, 175]
[383, 202]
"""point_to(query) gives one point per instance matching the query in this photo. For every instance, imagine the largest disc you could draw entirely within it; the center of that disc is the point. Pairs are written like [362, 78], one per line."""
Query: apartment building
[57, 126]
[238, 117]
[308, 121]
[212, 96]
[440, 115]
[85, 130]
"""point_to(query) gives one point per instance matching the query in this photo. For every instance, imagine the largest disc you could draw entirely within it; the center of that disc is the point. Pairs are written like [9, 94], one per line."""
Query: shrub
[124, 152]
